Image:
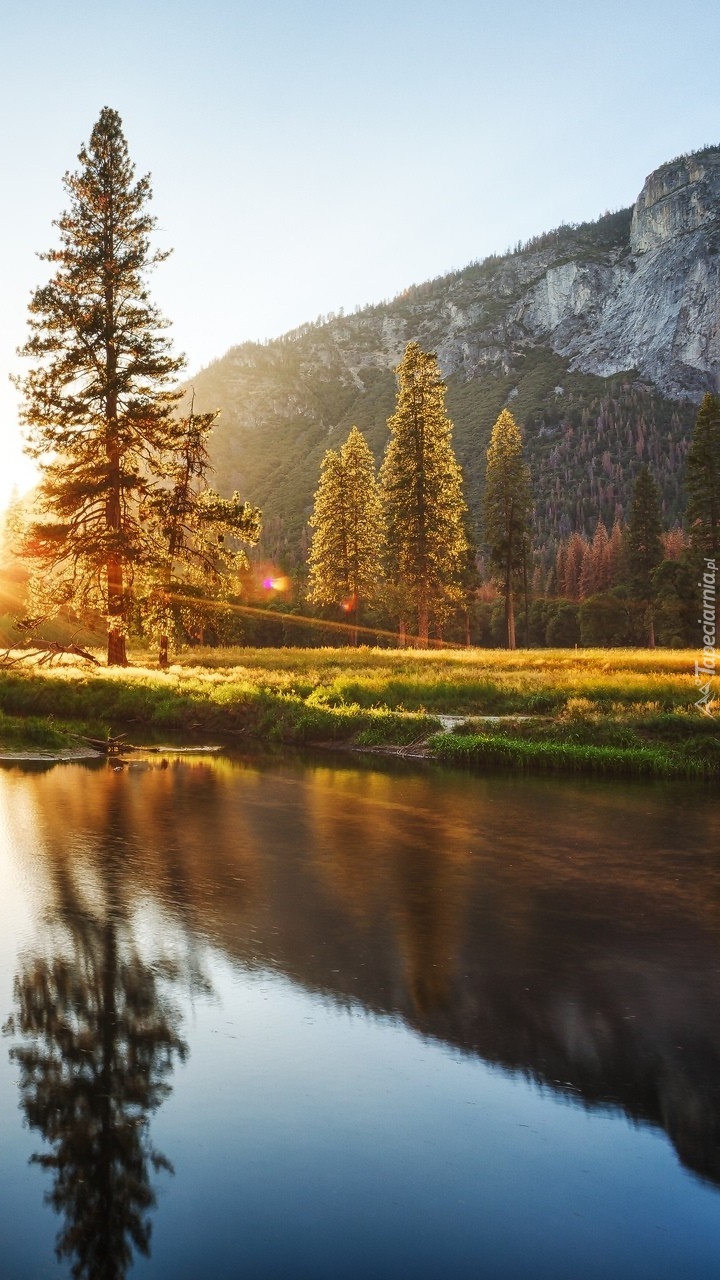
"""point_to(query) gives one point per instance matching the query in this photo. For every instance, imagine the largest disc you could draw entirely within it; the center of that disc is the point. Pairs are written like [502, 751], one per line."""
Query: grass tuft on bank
[500, 751]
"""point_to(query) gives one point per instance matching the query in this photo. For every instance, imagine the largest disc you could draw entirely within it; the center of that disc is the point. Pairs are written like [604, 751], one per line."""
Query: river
[335, 1018]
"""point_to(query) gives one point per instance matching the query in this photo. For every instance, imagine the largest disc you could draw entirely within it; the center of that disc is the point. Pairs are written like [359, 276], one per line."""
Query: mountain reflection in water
[568, 931]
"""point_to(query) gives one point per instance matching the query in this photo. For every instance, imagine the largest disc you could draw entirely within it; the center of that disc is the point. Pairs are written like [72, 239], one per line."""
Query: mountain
[601, 337]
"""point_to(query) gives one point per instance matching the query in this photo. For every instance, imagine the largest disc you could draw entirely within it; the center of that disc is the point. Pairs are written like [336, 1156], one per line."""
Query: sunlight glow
[322, 624]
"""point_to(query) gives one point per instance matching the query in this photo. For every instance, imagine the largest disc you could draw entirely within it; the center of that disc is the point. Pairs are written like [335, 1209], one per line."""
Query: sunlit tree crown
[507, 509]
[422, 488]
[346, 551]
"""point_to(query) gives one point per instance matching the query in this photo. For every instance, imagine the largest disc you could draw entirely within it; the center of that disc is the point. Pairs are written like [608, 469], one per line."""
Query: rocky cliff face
[638, 292]
[654, 307]
[635, 296]
[646, 301]
[680, 197]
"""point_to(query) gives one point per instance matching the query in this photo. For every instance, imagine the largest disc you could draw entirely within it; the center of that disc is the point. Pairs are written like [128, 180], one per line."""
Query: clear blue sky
[310, 156]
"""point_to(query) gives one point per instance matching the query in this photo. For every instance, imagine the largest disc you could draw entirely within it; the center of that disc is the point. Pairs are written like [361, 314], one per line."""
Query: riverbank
[597, 711]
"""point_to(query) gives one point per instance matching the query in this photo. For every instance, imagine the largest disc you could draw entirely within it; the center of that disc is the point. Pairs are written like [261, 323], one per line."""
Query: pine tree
[578, 549]
[96, 1041]
[674, 544]
[595, 572]
[616, 554]
[586, 582]
[194, 532]
[645, 549]
[421, 484]
[347, 546]
[702, 480]
[506, 510]
[98, 401]
[560, 567]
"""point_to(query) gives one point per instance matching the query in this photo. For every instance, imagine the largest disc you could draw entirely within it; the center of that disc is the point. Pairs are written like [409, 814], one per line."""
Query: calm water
[326, 1020]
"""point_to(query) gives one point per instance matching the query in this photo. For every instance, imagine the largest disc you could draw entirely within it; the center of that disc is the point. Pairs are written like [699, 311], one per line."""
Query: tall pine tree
[644, 542]
[422, 489]
[348, 542]
[98, 401]
[95, 1043]
[506, 511]
[702, 479]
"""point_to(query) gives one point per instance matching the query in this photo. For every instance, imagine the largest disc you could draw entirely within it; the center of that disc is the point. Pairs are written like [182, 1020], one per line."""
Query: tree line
[371, 536]
[127, 527]
[399, 537]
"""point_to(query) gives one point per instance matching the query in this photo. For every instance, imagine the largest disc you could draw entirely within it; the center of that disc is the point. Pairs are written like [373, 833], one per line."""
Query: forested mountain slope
[601, 338]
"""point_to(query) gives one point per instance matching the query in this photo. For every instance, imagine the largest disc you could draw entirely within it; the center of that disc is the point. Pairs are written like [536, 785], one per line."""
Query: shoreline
[481, 754]
[619, 713]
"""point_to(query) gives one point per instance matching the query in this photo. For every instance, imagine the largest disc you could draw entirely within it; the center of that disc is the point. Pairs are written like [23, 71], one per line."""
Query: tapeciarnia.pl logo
[705, 670]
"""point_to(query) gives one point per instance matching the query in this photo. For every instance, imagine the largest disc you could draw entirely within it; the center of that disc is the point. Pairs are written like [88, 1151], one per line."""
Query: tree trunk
[116, 649]
[509, 611]
[467, 628]
[423, 625]
[510, 618]
[651, 628]
[106, 1192]
[402, 634]
[163, 660]
[116, 646]
[525, 597]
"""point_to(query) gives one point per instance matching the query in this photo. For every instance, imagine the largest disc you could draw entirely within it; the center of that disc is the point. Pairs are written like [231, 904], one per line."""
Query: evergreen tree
[586, 582]
[675, 544]
[595, 571]
[616, 555]
[576, 551]
[98, 401]
[560, 568]
[422, 488]
[506, 510]
[702, 480]
[194, 533]
[348, 542]
[95, 1040]
[645, 548]
[601, 558]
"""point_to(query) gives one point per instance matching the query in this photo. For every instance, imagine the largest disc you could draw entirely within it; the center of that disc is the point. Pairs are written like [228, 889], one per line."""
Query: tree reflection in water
[96, 1041]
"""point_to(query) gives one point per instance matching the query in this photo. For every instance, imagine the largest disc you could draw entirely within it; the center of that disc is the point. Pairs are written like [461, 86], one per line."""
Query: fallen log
[107, 746]
[45, 652]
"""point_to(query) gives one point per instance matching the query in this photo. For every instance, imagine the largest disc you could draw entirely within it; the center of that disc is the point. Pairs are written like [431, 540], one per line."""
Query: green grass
[493, 751]
[457, 682]
[191, 702]
[21, 732]
[622, 711]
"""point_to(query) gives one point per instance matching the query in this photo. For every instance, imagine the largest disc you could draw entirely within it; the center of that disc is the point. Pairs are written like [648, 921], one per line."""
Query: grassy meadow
[610, 711]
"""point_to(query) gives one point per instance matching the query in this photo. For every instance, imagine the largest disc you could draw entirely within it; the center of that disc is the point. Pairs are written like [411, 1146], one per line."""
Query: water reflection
[95, 1040]
[566, 931]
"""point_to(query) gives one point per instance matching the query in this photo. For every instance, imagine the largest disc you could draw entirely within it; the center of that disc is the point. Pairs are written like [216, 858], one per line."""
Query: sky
[309, 156]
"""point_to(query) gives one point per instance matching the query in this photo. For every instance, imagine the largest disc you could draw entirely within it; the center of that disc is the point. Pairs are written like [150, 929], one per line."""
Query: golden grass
[565, 705]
